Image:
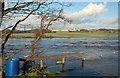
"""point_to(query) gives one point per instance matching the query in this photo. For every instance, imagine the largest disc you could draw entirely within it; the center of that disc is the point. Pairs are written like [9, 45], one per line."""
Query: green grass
[83, 32]
[54, 35]
[21, 36]
[80, 37]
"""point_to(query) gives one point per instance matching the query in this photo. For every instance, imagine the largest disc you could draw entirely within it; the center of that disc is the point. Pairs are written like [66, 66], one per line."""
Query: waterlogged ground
[101, 55]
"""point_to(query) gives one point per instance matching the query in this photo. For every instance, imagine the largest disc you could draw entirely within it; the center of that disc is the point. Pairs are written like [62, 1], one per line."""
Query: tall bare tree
[47, 14]
[32, 8]
[46, 20]
[21, 20]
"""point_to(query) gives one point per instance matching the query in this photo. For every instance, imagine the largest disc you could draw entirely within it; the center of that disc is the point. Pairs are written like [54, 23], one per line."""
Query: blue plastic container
[12, 67]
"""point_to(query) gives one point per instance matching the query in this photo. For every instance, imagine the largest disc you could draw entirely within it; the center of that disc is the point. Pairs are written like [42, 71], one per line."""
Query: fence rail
[55, 56]
[63, 56]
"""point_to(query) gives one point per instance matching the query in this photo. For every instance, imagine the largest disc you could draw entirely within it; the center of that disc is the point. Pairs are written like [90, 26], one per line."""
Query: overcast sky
[85, 15]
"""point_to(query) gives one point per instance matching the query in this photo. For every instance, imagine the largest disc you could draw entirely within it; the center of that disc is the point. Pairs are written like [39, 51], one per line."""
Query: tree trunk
[9, 34]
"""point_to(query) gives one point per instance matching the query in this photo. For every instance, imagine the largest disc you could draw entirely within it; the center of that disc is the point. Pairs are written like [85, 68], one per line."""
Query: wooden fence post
[83, 56]
[63, 63]
[41, 64]
[63, 60]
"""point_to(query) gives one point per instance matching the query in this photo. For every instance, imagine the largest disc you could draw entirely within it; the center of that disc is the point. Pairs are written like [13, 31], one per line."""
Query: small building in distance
[59, 30]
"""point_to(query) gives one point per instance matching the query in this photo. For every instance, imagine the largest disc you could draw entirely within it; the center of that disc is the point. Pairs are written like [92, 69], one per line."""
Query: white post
[41, 64]
[83, 56]
[63, 63]
[63, 60]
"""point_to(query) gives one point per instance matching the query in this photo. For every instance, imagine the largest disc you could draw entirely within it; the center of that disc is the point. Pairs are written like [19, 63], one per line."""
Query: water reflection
[63, 67]
[82, 64]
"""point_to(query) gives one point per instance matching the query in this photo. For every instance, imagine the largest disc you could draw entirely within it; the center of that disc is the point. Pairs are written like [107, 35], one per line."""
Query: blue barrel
[12, 67]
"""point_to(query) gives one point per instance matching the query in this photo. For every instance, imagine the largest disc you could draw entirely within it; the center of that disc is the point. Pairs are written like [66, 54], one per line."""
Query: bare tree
[13, 28]
[1, 10]
[35, 8]
[47, 14]
[46, 21]
[53, 18]
[18, 8]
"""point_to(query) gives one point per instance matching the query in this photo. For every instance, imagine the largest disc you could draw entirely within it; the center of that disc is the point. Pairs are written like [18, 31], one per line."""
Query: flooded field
[101, 55]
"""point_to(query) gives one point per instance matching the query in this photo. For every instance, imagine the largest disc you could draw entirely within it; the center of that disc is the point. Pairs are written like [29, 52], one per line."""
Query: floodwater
[101, 55]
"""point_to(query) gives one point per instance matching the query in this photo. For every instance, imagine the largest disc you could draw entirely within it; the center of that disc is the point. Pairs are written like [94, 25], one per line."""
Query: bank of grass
[80, 37]
[22, 36]
[84, 32]
[54, 35]
[50, 36]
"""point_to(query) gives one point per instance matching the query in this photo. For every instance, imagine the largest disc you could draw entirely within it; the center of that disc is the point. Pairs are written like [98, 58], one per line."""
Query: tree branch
[16, 8]
[9, 34]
